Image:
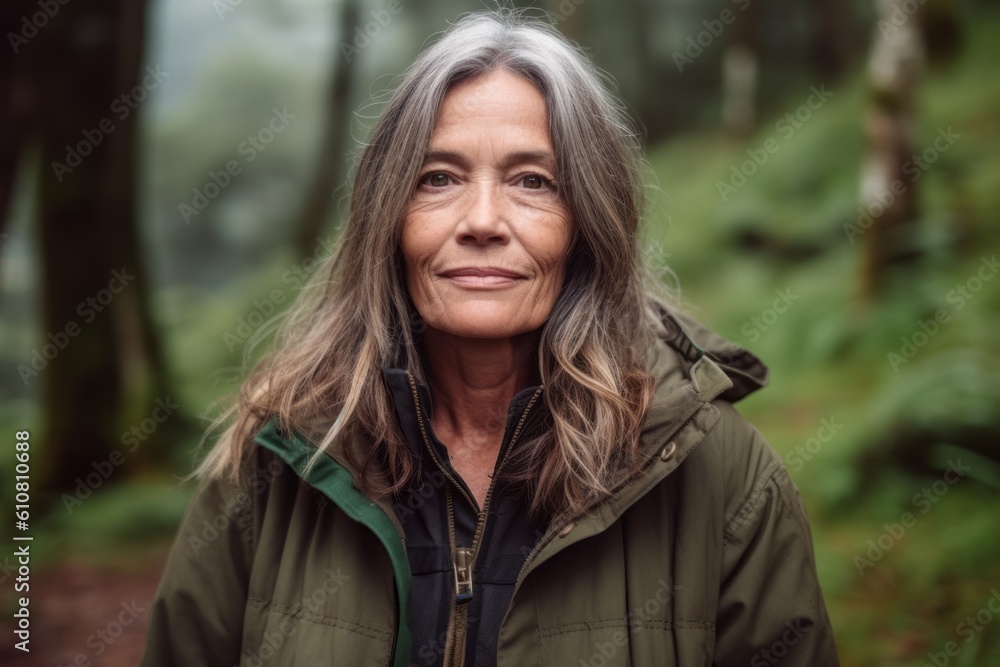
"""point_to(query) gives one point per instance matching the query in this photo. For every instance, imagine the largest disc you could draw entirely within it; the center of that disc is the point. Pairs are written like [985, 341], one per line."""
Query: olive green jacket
[705, 558]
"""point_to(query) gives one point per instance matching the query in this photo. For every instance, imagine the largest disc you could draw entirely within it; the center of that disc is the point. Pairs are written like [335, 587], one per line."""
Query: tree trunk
[739, 72]
[833, 47]
[18, 103]
[331, 171]
[106, 366]
[888, 195]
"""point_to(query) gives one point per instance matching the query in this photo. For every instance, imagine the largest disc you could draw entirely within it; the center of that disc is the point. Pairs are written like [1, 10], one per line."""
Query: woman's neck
[473, 380]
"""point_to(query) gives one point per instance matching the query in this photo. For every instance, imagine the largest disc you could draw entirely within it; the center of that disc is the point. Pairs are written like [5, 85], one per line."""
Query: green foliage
[117, 519]
[902, 417]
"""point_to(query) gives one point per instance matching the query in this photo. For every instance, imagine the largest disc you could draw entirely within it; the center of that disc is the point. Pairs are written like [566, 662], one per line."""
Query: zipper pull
[463, 575]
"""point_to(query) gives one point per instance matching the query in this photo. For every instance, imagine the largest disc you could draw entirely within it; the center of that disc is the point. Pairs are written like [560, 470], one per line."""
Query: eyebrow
[543, 158]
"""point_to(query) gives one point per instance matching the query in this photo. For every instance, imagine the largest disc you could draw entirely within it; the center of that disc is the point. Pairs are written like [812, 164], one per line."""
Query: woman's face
[485, 236]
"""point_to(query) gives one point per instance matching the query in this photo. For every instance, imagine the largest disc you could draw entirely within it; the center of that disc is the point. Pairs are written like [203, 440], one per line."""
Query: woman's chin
[486, 325]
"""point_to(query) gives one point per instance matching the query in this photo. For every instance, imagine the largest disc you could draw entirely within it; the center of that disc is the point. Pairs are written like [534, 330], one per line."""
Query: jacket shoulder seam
[753, 501]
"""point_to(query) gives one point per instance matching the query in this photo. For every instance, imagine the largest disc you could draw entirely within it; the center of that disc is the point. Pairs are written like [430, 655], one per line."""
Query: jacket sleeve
[196, 618]
[771, 608]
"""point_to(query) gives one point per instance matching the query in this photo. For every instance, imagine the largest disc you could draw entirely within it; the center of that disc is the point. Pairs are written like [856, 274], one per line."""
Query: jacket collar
[691, 365]
[407, 393]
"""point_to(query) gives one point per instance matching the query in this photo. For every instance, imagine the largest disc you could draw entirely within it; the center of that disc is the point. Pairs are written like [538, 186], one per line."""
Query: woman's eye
[437, 179]
[534, 182]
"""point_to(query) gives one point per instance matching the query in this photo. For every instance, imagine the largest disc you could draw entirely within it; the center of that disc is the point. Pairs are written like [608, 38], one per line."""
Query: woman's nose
[484, 219]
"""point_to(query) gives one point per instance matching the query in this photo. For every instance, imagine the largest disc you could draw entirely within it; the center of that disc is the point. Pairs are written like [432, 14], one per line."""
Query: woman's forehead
[499, 105]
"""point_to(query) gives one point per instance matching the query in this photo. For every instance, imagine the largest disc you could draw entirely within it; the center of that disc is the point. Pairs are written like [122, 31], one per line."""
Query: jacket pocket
[290, 636]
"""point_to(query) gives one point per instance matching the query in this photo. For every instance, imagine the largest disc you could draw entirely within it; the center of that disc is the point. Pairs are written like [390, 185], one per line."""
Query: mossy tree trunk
[106, 368]
[888, 194]
[332, 168]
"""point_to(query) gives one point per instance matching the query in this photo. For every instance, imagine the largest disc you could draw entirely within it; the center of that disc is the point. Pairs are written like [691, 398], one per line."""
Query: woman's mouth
[482, 276]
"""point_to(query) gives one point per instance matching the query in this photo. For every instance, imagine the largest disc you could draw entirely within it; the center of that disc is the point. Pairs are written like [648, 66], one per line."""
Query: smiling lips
[482, 276]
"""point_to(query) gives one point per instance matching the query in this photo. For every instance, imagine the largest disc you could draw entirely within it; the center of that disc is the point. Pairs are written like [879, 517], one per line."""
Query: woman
[484, 438]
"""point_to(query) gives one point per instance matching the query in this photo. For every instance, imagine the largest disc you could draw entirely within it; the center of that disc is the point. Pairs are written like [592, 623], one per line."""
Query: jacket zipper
[464, 558]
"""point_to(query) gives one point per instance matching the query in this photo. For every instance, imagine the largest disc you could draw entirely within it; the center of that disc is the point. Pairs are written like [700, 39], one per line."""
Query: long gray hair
[356, 315]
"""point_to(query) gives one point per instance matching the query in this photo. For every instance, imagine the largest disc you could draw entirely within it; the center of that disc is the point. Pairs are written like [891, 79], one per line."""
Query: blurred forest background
[824, 188]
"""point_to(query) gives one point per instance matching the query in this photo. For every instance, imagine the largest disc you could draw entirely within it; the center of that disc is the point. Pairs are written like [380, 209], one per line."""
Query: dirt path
[84, 615]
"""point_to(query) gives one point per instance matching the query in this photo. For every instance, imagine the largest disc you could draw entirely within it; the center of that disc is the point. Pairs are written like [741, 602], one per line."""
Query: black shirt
[507, 534]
